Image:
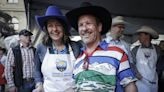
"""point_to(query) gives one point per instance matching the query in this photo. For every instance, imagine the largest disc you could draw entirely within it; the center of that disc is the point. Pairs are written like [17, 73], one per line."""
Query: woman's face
[55, 29]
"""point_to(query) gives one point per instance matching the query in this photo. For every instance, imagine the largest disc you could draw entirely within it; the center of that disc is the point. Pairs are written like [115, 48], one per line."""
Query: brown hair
[48, 41]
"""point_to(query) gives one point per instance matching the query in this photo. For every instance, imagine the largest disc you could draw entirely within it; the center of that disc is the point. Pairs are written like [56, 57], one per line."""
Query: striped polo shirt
[108, 67]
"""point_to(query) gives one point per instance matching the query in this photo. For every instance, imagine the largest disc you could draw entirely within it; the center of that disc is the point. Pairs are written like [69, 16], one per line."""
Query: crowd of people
[101, 62]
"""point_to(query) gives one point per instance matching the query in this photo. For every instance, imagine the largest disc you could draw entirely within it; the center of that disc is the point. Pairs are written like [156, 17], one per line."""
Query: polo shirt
[108, 66]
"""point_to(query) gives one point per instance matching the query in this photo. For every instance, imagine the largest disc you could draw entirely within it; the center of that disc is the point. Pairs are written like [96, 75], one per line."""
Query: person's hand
[139, 76]
[12, 89]
[39, 88]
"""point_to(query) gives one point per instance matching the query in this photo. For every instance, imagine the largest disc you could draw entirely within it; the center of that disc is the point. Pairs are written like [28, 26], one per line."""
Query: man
[146, 56]
[160, 67]
[19, 67]
[99, 68]
[114, 38]
[114, 35]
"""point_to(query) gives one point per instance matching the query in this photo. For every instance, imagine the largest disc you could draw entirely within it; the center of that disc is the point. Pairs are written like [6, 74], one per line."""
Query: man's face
[117, 30]
[25, 39]
[89, 29]
[144, 37]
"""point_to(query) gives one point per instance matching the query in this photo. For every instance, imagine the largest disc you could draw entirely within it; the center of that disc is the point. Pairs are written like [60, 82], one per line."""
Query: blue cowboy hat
[87, 8]
[52, 12]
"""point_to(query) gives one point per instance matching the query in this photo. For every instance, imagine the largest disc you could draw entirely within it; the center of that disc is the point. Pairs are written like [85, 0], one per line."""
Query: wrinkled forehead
[87, 18]
[119, 25]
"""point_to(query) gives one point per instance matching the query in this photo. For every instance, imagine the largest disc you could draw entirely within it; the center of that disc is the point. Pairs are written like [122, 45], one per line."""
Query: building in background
[16, 9]
[12, 19]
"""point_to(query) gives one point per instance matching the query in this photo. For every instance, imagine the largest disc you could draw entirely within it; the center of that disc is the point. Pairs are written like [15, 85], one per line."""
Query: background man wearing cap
[96, 70]
[146, 56]
[19, 67]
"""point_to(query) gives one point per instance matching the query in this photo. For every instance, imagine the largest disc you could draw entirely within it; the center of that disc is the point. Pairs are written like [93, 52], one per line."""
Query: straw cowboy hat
[97, 11]
[118, 20]
[52, 12]
[149, 30]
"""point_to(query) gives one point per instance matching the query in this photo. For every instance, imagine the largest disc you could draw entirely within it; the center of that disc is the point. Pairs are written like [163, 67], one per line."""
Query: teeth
[55, 33]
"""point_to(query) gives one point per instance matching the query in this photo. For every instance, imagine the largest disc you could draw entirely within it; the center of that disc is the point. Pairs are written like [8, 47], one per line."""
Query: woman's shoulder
[41, 47]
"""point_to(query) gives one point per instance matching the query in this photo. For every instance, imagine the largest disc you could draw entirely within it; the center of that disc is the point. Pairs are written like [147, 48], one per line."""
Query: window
[14, 23]
[12, 1]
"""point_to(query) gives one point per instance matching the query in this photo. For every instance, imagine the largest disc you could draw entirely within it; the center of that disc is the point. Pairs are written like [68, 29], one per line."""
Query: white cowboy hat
[118, 20]
[149, 30]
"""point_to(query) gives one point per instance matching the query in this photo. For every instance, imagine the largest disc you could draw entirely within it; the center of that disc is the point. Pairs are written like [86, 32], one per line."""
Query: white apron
[146, 65]
[57, 71]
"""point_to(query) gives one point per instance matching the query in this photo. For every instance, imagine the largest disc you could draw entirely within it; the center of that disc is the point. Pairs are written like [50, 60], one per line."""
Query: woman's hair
[47, 41]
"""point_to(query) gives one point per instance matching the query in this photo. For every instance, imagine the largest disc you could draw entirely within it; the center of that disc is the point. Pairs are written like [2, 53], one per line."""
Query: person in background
[55, 56]
[160, 68]
[116, 32]
[114, 38]
[146, 55]
[19, 67]
[98, 68]
[2, 67]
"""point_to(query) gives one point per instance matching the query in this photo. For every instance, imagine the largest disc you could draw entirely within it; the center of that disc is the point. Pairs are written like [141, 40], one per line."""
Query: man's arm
[131, 87]
[9, 64]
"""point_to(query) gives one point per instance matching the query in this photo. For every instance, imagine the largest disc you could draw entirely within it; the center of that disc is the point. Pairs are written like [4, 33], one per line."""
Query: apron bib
[57, 71]
[146, 65]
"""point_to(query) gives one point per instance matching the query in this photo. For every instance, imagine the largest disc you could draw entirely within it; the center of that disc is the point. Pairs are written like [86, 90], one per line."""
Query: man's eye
[80, 25]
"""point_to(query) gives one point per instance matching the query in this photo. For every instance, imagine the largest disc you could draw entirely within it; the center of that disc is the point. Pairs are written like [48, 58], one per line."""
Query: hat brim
[41, 20]
[120, 23]
[154, 35]
[99, 12]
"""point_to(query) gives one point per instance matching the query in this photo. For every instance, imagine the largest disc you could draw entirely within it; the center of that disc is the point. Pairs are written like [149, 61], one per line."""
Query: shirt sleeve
[9, 68]
[125, 73]
[38, 76]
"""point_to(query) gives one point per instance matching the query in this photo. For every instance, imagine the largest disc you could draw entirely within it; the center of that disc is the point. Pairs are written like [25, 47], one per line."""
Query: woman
[56, 55]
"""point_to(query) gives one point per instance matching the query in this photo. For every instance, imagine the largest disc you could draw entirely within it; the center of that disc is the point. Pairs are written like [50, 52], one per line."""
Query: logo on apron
[61, 65]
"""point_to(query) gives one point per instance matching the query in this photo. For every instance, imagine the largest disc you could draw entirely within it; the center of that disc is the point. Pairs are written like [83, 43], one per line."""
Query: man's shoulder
[135, 48]
[116, 49]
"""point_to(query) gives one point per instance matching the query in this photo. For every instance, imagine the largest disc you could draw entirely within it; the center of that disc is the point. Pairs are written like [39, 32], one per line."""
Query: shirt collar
[149, 47]
[103, 45]
[54, 51]
[21, 45]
